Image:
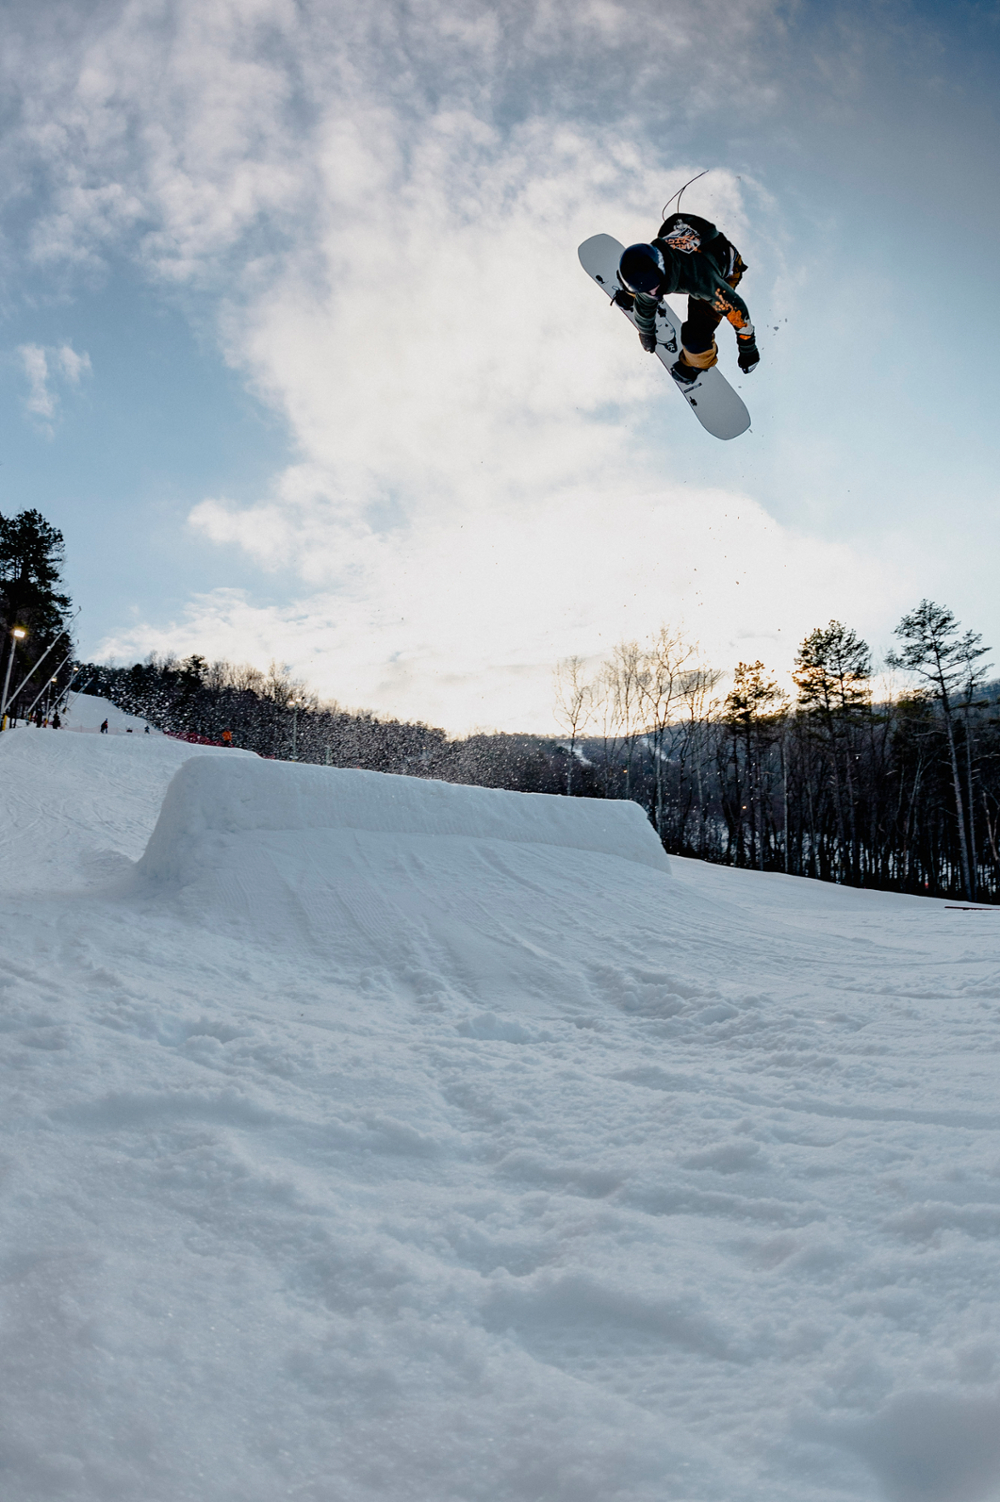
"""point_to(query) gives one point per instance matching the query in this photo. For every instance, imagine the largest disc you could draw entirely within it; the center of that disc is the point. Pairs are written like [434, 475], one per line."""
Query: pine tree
[32, 553]
[832, 674]
[933, 648]
[753, 709]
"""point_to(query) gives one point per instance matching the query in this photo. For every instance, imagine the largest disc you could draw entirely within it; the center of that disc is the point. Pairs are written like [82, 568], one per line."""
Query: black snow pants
[698, 330]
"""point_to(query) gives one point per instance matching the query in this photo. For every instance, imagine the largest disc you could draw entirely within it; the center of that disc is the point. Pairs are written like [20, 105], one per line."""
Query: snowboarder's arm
[644, 312]
[730, 304]
[645, 320]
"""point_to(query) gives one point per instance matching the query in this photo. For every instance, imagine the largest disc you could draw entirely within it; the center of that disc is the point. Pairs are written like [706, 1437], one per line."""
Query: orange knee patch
[705, 360]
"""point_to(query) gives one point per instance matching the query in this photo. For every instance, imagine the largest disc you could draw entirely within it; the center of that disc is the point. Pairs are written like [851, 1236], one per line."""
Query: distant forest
[274, 715]
[899, 793]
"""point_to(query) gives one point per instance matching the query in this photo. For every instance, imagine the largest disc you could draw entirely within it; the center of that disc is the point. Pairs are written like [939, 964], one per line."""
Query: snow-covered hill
[378, 1139]
[88, 712]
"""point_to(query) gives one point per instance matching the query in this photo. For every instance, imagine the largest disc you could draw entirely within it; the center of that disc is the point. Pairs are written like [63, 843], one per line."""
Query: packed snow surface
[368, 1138]
[88, 712]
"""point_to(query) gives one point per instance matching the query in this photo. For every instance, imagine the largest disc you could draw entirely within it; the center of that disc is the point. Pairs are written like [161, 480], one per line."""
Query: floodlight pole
[64, 696]
[52, 680]
[34, 669]
[17, 633]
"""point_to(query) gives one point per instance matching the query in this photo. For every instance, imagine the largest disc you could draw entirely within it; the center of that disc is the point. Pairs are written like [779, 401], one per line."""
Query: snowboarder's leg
[699, 350]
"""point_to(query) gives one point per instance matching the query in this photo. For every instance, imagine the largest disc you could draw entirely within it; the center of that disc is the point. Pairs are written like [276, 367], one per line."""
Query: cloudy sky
[297, 352]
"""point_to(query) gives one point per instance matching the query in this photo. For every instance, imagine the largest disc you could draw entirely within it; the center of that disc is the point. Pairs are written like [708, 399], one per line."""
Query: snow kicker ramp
[401, 884]
[75, 810]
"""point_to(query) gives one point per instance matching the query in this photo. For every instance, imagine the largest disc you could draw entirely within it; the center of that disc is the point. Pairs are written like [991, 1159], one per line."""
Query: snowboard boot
[683, 373]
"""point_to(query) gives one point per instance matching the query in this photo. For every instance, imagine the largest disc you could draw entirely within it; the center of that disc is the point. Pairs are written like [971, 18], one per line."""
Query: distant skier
[689, 255]
[104, 727]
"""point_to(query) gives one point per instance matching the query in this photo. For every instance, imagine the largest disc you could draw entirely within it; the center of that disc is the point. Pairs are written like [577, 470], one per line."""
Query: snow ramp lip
[212, 796]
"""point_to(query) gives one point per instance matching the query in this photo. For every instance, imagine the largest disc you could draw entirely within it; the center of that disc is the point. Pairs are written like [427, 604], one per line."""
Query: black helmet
[643, 269]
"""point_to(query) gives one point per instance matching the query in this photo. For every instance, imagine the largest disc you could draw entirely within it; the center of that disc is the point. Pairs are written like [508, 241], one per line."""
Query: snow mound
[451, 896]
[208, 798]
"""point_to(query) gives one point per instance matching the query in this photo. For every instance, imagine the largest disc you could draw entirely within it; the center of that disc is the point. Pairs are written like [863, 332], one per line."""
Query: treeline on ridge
[900, 792]
[273, 714]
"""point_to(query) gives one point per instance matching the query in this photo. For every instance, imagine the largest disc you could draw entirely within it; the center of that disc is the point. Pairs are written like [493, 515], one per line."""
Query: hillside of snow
[88, 712]
[371, 1138]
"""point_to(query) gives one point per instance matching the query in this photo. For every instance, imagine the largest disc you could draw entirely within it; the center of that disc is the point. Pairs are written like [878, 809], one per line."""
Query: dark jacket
[700, 261]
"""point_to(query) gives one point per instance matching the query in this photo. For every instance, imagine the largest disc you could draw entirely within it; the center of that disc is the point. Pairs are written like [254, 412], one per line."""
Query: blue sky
[296, 351]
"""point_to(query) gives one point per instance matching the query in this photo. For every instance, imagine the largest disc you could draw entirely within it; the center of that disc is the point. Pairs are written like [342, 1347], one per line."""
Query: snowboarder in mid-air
[689, 255]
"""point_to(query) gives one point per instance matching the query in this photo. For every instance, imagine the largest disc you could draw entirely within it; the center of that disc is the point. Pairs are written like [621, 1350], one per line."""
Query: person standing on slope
[689, 255]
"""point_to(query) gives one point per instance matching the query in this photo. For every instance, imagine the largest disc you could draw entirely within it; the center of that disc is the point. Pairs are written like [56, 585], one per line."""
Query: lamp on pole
[54, 680]
[53, 643]
[18, 633]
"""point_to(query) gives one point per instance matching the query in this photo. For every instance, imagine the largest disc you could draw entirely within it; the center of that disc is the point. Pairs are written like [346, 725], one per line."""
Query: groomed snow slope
[357, 1146]
[87, 712]
[77, 809]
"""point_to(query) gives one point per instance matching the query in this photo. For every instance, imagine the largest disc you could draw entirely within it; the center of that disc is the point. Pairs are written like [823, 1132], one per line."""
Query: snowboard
[710, 396]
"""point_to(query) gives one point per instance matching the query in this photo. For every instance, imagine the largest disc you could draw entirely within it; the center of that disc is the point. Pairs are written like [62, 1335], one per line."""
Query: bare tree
[661, 680]
[696, 686]
[607, 701]
[624, 673]
[575, 704]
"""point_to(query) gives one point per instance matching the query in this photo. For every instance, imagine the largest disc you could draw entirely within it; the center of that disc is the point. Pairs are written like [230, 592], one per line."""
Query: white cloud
[40, 400]
[43, 365]
[72, 365]
[462, 625]
[395, 271]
